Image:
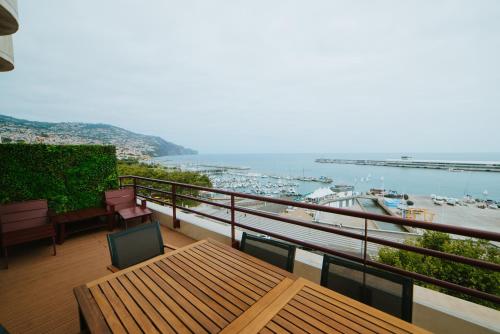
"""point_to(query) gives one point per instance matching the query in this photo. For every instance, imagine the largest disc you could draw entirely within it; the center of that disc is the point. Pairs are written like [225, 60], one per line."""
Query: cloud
[265, 76]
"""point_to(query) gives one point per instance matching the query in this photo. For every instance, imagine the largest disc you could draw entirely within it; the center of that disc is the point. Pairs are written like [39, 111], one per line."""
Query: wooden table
[202, 288]
[208, 287]
[62, 219]
[135, 212]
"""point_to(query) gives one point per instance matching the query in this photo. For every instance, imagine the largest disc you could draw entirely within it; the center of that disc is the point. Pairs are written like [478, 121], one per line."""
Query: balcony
[8, 17]
[6, 54]
[8, 26]
[36, 291]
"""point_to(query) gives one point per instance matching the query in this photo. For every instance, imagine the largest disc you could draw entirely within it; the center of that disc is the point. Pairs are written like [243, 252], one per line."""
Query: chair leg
[54, 246]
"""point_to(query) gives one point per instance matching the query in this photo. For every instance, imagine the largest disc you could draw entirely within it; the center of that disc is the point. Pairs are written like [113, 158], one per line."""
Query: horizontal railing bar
[154, 199]
[154, 189]
[186, 209]
[205, 201]
[299, 222]
[437, 282]
[420, 277]
[465, 231]
[227, 221]
[421, 250]
[435, 253]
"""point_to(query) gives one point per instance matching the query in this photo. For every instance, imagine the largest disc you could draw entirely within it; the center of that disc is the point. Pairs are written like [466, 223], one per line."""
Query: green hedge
[70, 177]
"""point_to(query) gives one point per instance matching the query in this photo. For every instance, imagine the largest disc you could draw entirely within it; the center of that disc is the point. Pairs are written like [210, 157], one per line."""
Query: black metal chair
[380, 289]
[3, 330]
[277, 253]
[135, 245]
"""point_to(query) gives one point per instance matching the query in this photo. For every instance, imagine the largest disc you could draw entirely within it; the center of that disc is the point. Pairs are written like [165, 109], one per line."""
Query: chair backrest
[135, 245]
[3, 330]
[22, 215]
[278, 253]
[383, 290]
[122, 198]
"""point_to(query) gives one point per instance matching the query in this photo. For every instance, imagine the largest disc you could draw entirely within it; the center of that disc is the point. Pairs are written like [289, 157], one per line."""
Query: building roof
[320, 193]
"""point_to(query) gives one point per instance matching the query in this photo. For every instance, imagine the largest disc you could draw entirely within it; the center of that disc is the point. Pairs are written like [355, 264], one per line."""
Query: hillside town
[129, 145]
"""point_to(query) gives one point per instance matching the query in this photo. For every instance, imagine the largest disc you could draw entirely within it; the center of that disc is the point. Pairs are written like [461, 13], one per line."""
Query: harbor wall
[474, 166]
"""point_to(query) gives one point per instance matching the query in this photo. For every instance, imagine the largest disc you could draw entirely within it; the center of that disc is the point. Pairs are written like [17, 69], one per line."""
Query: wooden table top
[204, 287]
[208, 287]
[71, 216]
[306, 307]
[134, 212]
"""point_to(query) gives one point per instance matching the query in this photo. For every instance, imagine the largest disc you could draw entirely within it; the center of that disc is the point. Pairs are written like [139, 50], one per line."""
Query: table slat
[142, 320]
[252, 262]
[201, 291]
[236, 273]
[221, 282]
[198, 309]
[262, 273]
[256, 308]
[250, 290]
[107, 311]
[306, 307]
[120, 309]
[177, 317]
[146, 305]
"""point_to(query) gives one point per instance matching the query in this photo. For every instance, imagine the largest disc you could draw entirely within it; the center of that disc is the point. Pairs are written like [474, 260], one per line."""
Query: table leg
[110, 220]
[83, 324]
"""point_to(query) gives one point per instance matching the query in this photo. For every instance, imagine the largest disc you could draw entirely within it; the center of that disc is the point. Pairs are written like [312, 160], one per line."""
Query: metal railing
[174, 194]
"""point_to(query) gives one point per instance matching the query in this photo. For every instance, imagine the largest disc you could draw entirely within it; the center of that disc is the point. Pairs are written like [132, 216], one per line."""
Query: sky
[266, 76]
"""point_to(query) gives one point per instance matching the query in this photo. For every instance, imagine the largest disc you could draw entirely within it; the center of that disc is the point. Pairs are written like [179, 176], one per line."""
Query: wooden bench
[63, 219]
[22, 222]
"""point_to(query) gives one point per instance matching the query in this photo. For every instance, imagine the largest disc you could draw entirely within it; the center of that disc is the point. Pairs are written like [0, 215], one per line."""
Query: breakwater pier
[452, 166]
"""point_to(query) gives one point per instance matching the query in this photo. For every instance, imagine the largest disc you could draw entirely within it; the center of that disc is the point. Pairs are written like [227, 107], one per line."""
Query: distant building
[320, 195]
[335, 194]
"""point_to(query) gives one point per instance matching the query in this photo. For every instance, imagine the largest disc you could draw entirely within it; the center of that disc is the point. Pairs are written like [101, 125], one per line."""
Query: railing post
[135, 189]
[364, 255]
[120, 182]
[234, 243]
[176, 222]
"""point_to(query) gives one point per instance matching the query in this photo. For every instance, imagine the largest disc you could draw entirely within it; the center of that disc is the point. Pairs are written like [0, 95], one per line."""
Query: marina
[464, 198]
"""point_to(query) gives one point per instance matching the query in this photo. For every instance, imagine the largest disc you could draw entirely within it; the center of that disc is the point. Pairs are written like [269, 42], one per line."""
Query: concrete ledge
[432, 310]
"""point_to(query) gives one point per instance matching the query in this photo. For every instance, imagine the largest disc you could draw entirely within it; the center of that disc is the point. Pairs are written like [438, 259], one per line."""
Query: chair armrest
[110, 206]
[170, 246]
[112, 268]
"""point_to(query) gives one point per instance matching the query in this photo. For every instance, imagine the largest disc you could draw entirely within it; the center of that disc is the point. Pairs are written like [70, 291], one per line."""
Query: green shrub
[70, 177]
[458, 273]
[131, 167]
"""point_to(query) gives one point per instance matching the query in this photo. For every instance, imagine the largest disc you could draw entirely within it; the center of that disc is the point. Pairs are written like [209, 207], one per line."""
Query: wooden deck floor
[36, 292]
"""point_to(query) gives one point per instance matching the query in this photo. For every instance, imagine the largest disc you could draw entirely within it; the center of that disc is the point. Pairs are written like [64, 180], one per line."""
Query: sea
[482, 185]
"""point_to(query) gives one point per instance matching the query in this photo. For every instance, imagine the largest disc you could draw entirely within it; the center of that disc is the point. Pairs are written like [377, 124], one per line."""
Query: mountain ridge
[129, 144]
